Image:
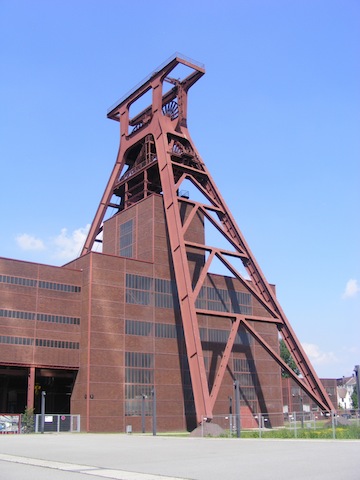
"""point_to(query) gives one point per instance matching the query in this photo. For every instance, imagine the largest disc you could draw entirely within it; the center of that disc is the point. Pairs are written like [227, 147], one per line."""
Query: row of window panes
[139, 375]
[243, 365]
[245, 379]
[137, 391]
[134, 407]
[138, 282]
[126, 239]
[140, 291]
[138, 359]
[140, 288]
[40, 316]
[134, 327]
[58, 319]
[247, 393]
[56, 344]
[220, 300]
[165, 330]
[164, 300]
[17, 314]
[62, 287]
[215, 335]
[162, 330]
[16, 340]
[38, 342]
[138, 297]
[28, 282]
[164, 286]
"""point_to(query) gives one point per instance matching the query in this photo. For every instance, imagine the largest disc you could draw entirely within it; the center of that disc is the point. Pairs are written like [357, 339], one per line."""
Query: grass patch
[351, 432]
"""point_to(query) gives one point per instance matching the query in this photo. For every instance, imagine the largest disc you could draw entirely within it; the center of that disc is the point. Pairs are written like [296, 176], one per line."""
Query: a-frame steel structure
[156, 155]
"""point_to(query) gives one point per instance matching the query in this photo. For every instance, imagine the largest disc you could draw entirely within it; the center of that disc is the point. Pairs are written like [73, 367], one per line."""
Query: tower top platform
[197, 70]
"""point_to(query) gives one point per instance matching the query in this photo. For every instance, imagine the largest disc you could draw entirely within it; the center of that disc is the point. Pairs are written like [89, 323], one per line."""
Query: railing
[57, 423]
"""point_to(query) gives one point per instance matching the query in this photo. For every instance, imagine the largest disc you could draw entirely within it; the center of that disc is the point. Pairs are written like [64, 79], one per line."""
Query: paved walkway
[136, 457]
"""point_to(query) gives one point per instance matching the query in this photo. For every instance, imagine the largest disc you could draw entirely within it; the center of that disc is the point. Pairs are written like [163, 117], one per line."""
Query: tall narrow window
[139, 382]
[127, 239]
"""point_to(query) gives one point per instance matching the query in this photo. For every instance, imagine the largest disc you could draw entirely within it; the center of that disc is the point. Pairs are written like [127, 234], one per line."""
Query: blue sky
[275, 118]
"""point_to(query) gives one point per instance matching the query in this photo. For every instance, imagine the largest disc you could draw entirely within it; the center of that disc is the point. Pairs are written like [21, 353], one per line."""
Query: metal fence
[57, 423]
[285, 425]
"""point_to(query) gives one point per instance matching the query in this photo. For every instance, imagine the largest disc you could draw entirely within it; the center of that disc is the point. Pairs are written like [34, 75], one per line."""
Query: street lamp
[43, 395]
[143, 397]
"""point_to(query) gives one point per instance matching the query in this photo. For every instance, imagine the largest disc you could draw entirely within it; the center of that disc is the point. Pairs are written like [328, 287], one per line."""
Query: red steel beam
[167, 132]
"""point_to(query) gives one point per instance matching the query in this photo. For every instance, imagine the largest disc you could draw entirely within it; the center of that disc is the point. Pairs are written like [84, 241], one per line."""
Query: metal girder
[177, 159]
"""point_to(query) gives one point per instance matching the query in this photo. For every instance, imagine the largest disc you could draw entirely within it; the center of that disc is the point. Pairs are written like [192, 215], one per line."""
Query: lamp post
[154, 411]
[42, 426]
[230, 415]
[143, 397]
[237, 408]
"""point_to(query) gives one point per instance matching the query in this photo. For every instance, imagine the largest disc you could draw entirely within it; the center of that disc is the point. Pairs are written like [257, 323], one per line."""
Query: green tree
[27, 420]
[288, 359]
[354, 399]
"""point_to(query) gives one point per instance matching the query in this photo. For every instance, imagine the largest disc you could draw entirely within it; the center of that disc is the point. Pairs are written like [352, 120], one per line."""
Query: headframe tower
[156, 155]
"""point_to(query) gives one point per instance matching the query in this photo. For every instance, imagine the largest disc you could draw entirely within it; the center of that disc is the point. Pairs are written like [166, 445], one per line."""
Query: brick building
[104, 330]
[148, 317]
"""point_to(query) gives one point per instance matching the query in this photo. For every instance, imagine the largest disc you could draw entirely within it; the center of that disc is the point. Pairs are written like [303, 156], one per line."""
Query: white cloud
[28, 242]
[352, 289]
[318, 357]
[68, 245]
[65, 247]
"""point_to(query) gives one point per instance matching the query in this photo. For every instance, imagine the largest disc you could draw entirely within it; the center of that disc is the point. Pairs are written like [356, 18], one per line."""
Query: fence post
[333, 423]
[260, 424]
[237, 404]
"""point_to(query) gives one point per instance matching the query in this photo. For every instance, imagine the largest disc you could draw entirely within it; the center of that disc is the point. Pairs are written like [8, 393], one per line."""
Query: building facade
[149, 326]
[102, 332]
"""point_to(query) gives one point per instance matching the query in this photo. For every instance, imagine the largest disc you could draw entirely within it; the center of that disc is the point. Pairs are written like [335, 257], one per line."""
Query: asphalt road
[135, 457]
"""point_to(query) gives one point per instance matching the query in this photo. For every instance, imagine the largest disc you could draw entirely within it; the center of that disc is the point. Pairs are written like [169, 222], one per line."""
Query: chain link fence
[287, 425]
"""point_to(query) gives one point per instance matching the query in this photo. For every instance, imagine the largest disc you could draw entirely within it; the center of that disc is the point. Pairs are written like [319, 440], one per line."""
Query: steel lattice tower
[156, 155]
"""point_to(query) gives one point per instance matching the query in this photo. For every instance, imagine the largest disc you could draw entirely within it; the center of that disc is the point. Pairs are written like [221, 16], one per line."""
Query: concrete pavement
[137, 457]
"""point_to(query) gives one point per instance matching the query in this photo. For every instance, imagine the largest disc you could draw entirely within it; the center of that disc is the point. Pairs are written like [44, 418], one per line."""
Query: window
[26, 282]
[220, 300]
[40, 342]
[16, 340]
[17, 314]
[245, 373]
[139, 380]
[135, 327]
[126, 239]
[142, 290]
[165, 330]
[42, 317]
[215, 335]
[164, 293]
[59, 286]
[138, 289]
